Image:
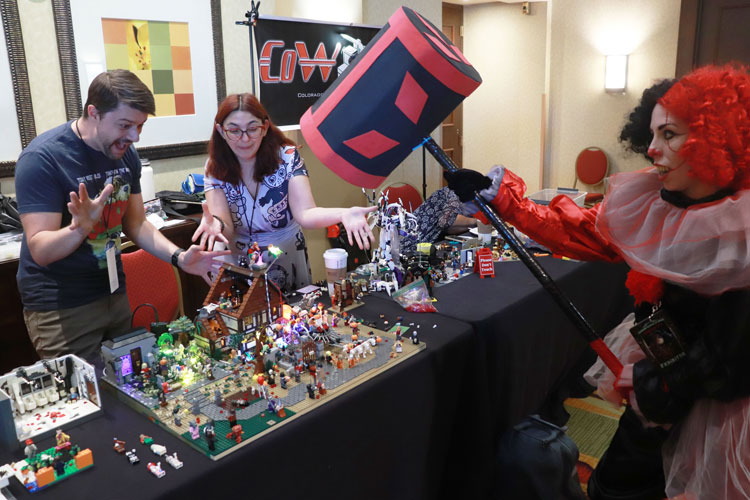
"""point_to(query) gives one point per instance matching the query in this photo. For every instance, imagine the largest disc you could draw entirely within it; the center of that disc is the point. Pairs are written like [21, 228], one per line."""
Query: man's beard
[113, 152]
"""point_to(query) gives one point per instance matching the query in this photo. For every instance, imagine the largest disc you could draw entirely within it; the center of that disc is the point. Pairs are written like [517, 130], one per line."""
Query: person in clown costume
[683, 227]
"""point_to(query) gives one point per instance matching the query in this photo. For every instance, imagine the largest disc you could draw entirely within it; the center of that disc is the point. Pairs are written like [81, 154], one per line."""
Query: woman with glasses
[257, 190]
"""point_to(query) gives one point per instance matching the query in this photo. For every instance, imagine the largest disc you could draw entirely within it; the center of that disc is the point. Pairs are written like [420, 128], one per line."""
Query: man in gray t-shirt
[78, 188]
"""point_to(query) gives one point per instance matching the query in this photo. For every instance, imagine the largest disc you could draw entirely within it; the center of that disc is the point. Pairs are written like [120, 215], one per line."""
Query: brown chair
[408, 194]
[592, 167]
[150, 280]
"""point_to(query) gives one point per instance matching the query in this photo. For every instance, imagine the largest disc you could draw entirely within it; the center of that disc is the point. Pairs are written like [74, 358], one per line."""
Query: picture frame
[78, 24]
[17, 115]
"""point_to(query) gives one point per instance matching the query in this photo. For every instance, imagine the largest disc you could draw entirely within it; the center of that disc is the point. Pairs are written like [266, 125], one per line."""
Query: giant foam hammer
[408, 79]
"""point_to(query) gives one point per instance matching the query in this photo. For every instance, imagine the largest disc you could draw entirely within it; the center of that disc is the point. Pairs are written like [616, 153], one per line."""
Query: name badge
[114, 283]
[659, 338]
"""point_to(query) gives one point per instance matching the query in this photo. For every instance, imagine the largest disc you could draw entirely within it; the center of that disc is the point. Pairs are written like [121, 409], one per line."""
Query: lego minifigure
[119, 446]
[280, 412]
[61, 438]
[59, 466]
[398, 333]
[210, 432]
[399, 348]
[282, 380]
[155, 469]
[236, 433]
[232, 417]
[147, 440]
[310, 391]
[176, 415]
[414, 337]
[175, 462]
[162, 397]
[73, 396]
[29, 450]
[194, 431]
[313, 369]
[208, 370]
[132, 457]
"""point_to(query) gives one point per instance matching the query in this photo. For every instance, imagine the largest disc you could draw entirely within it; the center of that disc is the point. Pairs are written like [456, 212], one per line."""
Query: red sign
[483, 264]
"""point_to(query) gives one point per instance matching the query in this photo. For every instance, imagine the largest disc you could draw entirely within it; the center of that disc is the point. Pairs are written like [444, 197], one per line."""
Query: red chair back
[592, 166]
[151, 280]
[408, 194]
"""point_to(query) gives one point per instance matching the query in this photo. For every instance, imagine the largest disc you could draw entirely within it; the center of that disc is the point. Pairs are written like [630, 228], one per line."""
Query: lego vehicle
[159, 449]
[132, 457]
[155, 469]
[174, 461]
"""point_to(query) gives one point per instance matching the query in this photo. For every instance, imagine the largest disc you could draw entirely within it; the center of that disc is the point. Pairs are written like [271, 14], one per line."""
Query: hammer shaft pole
[536, 269]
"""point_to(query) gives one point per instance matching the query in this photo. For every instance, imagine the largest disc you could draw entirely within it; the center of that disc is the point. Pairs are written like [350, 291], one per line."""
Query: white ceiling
[474, 2]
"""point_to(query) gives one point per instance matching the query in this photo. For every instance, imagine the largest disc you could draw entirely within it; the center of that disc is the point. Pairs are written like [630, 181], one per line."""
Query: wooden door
[712, 32]
[453, 19]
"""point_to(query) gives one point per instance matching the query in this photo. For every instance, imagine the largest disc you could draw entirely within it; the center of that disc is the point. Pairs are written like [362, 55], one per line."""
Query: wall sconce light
[616, 74]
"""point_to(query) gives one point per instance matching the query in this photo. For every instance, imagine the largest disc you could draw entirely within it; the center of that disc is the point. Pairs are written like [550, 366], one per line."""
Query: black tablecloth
[497, 350]
[386, 438]
[527, 355]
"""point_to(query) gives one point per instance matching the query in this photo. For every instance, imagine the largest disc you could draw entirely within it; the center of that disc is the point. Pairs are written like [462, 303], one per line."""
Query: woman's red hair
[715, 102]
[223, 164]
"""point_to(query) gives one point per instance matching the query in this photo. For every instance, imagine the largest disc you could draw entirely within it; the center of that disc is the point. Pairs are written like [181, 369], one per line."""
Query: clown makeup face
[669, 134]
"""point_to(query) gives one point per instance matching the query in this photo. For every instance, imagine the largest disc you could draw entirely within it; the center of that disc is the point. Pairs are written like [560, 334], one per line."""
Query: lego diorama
[51, 394]
[45, 468]
[249, 363]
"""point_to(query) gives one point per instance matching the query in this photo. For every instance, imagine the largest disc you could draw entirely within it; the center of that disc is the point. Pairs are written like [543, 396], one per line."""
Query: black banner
[299, 59]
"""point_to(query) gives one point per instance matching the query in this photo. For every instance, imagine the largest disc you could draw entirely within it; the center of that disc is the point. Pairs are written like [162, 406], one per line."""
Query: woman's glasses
[235, 134]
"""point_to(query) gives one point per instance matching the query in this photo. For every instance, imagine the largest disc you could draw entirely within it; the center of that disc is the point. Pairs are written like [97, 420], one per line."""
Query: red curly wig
[715, 102]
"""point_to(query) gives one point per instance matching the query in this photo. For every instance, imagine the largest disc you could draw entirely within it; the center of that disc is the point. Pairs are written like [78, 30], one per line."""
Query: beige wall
[503, 117]
[559, 50]
[581, 113]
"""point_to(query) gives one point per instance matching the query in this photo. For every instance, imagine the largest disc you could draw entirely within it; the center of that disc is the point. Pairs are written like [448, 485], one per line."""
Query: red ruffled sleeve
[562, 226]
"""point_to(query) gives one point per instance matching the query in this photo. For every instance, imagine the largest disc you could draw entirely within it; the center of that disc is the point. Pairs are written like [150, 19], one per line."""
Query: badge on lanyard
[659, 338]
[114, 283]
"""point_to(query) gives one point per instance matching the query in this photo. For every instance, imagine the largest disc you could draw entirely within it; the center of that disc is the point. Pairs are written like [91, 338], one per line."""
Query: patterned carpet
[591, 426]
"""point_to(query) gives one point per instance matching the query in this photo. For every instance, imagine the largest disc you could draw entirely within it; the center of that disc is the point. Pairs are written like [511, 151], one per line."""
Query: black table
[497, 350]
[527, 355]
[386, 438]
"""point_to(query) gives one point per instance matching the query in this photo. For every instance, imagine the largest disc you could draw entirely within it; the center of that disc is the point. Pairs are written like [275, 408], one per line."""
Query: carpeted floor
[592, 424]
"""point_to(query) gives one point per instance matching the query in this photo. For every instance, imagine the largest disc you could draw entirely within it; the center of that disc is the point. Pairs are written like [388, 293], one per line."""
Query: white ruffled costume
[703, 248]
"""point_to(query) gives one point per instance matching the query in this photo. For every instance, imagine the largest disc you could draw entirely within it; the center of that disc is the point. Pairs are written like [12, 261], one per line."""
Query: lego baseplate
[256, 419]
[47, 476]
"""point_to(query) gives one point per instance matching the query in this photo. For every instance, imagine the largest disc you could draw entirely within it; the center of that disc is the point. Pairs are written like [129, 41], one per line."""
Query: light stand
[252, 18]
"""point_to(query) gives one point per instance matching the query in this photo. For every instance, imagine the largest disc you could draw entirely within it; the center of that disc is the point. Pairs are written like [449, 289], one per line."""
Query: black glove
[465, 183]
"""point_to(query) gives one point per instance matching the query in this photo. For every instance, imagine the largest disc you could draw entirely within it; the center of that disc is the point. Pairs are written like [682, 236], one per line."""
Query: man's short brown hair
[116, 86]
